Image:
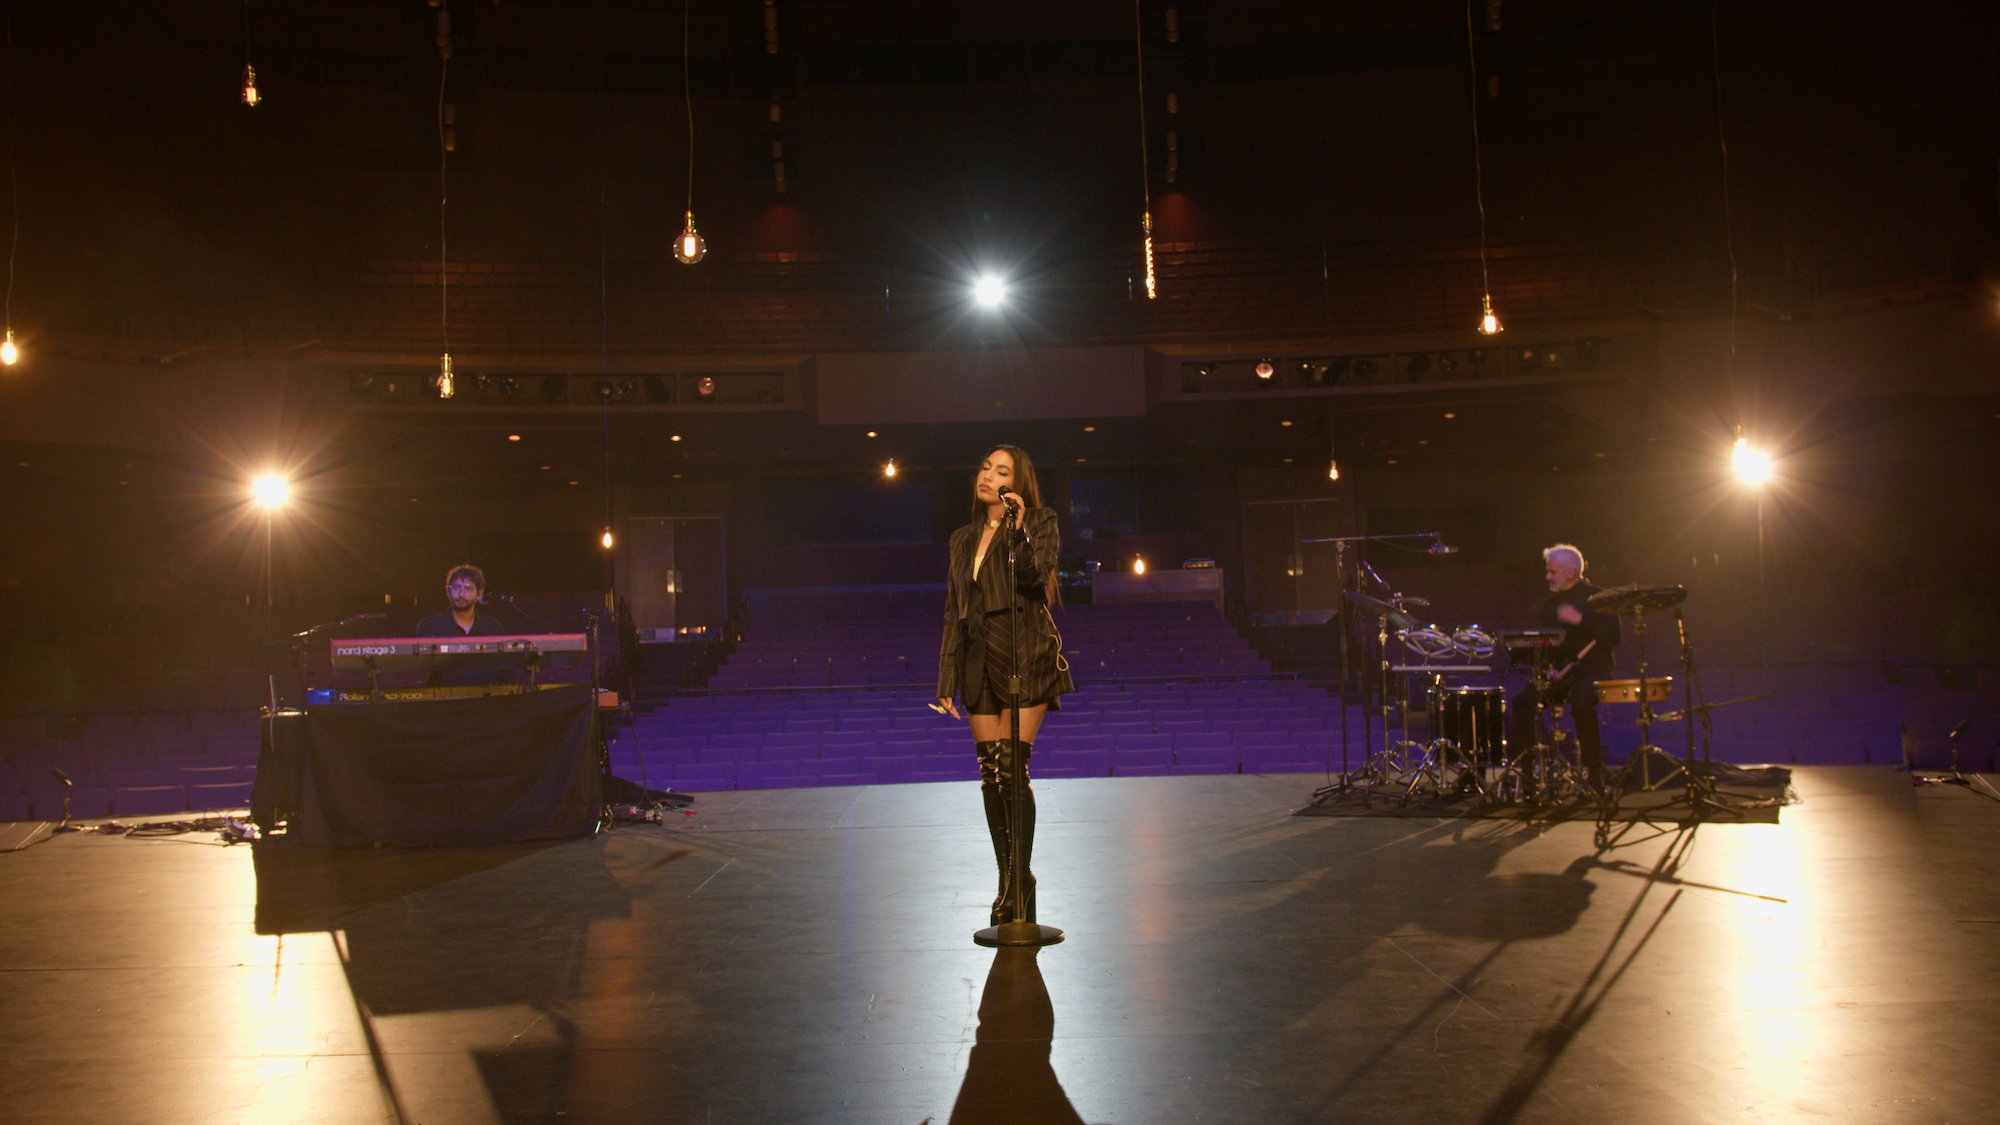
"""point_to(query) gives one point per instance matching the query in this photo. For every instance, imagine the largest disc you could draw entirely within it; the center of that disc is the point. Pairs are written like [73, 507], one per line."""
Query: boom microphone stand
[1023, 930]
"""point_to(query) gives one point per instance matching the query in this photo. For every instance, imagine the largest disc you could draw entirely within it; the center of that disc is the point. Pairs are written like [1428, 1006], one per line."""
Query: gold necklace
[992, 523]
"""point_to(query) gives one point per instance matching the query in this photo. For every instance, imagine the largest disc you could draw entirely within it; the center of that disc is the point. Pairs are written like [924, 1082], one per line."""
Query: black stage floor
[805, 956]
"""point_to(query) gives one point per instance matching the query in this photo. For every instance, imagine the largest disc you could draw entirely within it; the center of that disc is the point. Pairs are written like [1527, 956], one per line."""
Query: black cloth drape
[453, 771]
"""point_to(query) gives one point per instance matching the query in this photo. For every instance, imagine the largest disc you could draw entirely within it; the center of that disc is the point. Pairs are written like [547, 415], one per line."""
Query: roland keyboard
[606, 698]
[404, 654]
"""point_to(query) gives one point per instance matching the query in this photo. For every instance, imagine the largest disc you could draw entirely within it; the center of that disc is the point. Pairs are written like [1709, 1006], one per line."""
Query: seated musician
[464, 586]
[1583, 658]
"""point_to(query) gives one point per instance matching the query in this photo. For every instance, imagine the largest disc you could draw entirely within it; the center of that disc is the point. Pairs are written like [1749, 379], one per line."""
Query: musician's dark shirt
[467, 671]
[1600, 627]
[444, 625]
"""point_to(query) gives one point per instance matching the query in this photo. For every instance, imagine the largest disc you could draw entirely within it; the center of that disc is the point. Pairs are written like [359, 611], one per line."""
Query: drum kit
[1468, 752]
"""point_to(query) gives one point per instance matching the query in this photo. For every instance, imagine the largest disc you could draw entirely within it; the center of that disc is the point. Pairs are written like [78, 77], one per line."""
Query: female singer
[976, 658]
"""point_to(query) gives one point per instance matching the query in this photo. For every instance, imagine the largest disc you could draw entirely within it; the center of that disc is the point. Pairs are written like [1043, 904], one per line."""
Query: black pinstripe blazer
[1045, 675]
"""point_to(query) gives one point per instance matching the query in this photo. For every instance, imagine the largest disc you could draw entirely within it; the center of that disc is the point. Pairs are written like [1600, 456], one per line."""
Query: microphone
[1369, 569]
[1441, 549]
[62, 777]
[1008, 494]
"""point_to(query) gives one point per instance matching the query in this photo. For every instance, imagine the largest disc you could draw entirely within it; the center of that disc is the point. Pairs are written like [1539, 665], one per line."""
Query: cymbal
[1638, 599]
[1376, 607]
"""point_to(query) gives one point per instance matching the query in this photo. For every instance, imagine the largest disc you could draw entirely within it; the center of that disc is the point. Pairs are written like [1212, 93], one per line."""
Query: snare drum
[1474, 719]
[1658, 688]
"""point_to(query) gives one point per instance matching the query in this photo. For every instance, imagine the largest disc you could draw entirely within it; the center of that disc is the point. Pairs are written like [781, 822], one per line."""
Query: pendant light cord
[1728, 216]
[444, 195]
[1478, 168]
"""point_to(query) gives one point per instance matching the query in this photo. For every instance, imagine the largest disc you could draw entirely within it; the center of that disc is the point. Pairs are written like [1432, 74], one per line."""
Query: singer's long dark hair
[1024, 486]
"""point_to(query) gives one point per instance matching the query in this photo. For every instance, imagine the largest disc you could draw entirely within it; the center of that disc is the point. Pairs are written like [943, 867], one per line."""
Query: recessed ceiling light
[572, 482]
[1284, 423]
[1451, 415]
[545, 468]
[871, 433]
[676, 437]
[513, 437]
[1600, 455]
[1423, 441]
[1288, 460]
[1090, 429]
[1392, 460]
[1079, 461]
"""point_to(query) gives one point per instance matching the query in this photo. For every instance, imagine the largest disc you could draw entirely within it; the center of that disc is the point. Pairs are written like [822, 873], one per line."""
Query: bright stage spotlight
[270, 491]
[1753, 466]
[989, 291]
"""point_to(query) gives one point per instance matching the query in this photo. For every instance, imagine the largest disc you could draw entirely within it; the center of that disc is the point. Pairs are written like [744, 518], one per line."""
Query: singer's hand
[949, 708]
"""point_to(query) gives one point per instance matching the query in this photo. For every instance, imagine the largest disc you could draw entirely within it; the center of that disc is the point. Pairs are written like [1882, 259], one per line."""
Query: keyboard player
[465, 586]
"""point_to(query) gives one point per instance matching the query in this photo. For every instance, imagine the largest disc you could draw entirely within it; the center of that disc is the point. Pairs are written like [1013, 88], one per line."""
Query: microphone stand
[1023, 930]
[299, 640]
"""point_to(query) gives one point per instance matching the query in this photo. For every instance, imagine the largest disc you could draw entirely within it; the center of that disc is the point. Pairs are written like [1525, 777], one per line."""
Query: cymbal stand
[1643, 756]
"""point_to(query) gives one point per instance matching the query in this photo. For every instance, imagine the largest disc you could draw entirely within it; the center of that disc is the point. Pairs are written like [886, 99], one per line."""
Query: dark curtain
[456, 771]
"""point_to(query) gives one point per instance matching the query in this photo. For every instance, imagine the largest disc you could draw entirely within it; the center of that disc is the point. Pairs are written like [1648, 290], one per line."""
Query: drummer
[1583, 658]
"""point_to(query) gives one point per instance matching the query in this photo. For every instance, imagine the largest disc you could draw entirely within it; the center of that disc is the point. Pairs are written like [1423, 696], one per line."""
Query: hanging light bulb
[9, 354]
[250, 94]
[1753, 466]
[607, 539]
[1138, 565]
[446, 385]
[689, 247]
[1333, 470]
[1152, 287]
[1489, 325]
[889, 470]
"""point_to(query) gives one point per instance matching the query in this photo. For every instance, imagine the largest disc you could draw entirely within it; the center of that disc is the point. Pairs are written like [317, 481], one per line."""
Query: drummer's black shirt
[1600, 627]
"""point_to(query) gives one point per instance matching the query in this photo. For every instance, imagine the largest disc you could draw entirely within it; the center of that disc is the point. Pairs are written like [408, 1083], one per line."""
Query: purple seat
[662, 763]
[770, 775]
[757, 726]
[148, 800]
[1210, 759]
[1239, 726]
[898, 745]
[1146, 742]
[700, 728]
[1081, 743]
[1184, 723]
[790, 744]
[809, 725]
[1070, 763]
[704, 776]
[1303, 723]
[208, 775]
[735, 745]
[1133, 763]
[1125, 729]
[219, 795]
[892, 769]
[846, 744]
[824, 767]
[1201, 768]
[947, 766]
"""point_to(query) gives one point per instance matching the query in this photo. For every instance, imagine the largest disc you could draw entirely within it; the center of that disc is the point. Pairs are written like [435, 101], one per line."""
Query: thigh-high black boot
[994, 798]
[1025, 829]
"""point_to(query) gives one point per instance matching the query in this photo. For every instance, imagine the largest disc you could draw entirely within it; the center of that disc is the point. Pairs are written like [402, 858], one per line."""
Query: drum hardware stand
[1375, 766]
[1643, 755]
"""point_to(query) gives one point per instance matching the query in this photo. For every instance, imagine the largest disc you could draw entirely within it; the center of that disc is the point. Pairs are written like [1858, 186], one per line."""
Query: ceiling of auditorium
[1322, 179]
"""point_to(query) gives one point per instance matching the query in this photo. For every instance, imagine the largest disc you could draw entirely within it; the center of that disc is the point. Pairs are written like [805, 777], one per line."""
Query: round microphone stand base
[1017, 934]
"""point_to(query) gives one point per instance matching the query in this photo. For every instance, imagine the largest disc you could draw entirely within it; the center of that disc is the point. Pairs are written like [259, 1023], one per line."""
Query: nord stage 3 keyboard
[405, 654]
